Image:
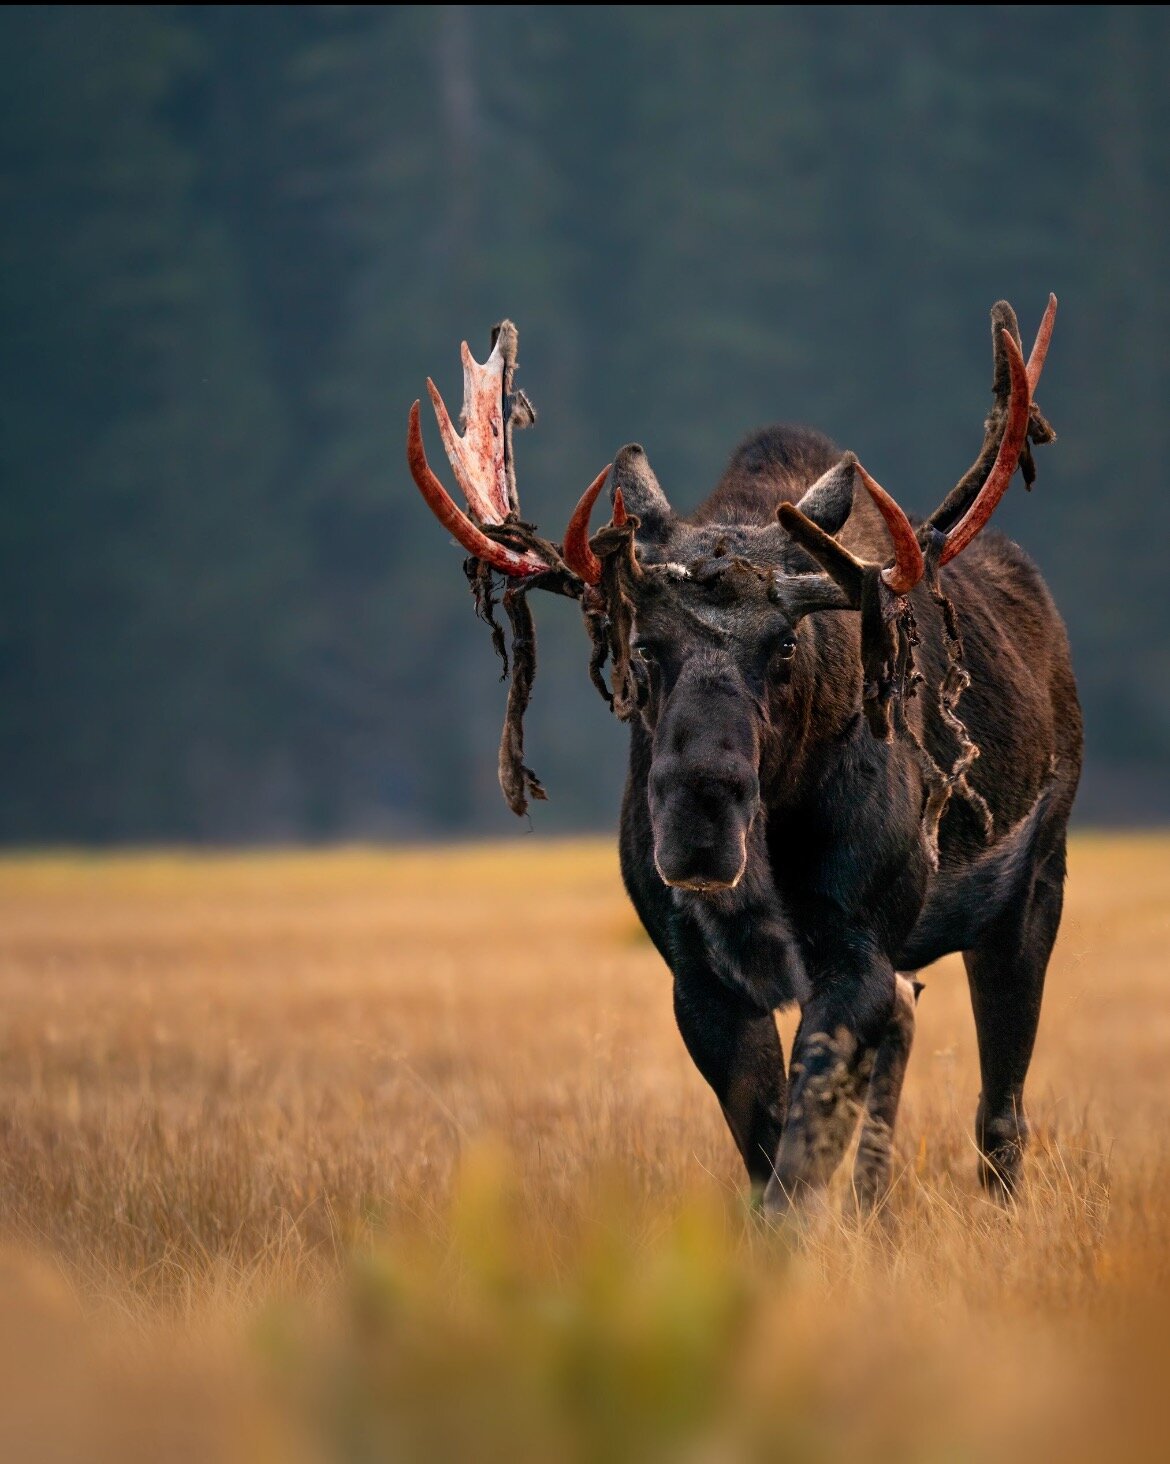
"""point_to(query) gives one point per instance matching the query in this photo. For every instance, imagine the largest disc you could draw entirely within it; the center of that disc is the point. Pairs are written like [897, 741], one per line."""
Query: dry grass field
[397, 1155]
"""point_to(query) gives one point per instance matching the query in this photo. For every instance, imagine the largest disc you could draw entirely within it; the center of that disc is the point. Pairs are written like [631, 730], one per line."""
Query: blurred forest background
[234, 241]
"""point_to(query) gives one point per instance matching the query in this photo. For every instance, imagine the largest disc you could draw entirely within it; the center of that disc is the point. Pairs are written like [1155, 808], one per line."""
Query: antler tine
[842, 566]
[477, 458]
[1040, 347]
[454, 520]
[576, 551]
[1018, 384]
[1007, 459]
[961, 496]
[908, 566]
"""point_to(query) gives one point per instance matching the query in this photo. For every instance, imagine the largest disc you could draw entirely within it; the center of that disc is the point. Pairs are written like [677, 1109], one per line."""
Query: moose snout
[704, 871]
[700, 826]
[704, 787]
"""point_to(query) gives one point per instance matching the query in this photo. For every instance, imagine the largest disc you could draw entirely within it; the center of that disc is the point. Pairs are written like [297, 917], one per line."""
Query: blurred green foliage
[472, 1350]
[235, 241]
[691, 1333]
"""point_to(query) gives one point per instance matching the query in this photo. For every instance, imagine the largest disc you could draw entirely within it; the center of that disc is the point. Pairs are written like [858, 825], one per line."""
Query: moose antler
[477, 458]
[888, 631]
[843, 566]
[576, 550]
[1014, 418]
[496, 537]
[1003, 322]
[480, 461]
[452, 517]
[1007, 458]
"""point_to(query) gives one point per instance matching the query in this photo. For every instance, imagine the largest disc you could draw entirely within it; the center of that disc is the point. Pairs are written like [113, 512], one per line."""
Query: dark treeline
[234, 241]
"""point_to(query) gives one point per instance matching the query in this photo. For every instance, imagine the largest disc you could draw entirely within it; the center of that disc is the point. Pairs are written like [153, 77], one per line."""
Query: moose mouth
[701, 884]
[704, 886]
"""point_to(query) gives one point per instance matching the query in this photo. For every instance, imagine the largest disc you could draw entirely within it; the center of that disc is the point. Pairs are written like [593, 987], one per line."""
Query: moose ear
[641, 492]
[830, 498]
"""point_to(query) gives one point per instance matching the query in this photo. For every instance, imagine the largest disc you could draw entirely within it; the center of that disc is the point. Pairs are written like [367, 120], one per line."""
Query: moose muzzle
[704, 789]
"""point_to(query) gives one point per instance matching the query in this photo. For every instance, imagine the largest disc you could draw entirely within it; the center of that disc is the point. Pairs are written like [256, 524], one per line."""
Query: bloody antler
[906, 570]
[497, 538]
[1013, 419]
[576, 551]
[454, 520]
[478, 457]
[1040, 346]
[1003, 321]
[844, 567]
[1006, 459]
[479, 460]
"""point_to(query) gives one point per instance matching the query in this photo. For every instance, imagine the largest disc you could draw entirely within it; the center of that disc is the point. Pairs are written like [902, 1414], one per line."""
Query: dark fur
[747, 752]
[766, 468]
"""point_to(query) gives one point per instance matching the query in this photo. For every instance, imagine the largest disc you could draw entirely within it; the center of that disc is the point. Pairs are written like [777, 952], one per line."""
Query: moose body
[840, 891]
[820, 801]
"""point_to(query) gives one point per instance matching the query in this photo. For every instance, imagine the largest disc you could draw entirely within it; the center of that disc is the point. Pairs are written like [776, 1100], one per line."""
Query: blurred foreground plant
[480, 1351]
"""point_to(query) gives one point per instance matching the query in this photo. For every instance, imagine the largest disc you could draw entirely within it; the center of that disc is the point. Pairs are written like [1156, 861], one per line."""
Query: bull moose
[844, 763]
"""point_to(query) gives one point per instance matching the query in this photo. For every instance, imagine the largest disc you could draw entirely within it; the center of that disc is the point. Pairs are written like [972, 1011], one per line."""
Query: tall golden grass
[366, 1155]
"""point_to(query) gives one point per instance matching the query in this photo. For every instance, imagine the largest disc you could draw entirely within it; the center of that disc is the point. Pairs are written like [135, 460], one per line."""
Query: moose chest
[750, 946]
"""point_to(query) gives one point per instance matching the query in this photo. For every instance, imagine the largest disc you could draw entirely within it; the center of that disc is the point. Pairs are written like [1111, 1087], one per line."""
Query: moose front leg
[871, 1168]
[841, 1031]
[736, 1047]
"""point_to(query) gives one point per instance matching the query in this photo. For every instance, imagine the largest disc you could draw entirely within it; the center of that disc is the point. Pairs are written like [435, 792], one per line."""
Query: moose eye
[646, 652]
[787, 648]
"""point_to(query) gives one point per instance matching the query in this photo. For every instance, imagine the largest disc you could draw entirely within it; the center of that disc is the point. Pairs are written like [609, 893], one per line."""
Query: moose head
[716, 631]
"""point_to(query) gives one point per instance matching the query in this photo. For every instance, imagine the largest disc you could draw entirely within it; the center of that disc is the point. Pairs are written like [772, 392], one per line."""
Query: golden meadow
[368, 1155]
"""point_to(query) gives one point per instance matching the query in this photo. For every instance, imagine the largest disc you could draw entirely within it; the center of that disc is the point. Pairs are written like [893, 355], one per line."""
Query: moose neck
[746, 931]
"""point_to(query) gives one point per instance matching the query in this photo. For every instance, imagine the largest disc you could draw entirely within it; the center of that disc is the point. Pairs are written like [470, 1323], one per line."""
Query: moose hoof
[1001, 1157]
[794, 1205]
[999, 1174]
[867, 1194]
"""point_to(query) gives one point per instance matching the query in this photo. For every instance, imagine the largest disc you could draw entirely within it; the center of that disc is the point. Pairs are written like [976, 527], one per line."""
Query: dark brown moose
[843, 763]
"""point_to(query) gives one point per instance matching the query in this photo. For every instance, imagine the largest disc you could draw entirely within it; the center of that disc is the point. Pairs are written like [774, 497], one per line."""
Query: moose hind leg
[872, 1166]
[736, 1047]
[1006, 977]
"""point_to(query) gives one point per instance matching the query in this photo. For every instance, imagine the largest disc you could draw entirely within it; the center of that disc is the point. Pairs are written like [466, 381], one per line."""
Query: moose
[844, 762]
